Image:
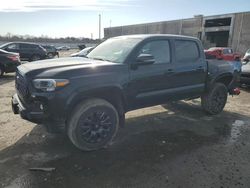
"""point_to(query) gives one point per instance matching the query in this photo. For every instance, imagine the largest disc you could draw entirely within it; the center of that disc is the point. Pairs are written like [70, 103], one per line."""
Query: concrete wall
[239, 36]
[189, 27]
[241, 32]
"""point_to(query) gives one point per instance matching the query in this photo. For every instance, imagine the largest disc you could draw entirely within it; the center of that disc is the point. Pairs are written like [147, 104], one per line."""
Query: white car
[247, 55]
[63, 48]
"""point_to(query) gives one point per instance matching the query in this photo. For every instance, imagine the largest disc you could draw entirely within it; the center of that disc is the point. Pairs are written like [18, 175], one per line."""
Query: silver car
[247, 55]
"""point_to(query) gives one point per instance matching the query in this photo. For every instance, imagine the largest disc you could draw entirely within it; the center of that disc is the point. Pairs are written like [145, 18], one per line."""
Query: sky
[79, 18]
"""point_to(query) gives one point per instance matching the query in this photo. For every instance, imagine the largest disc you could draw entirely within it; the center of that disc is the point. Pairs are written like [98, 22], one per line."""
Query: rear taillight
[14, 57]
[236, 91]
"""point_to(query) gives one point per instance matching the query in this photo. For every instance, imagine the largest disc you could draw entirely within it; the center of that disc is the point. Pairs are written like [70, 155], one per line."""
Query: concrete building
[227, 30]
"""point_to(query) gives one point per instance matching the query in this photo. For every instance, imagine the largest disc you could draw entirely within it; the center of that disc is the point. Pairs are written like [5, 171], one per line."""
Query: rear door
[26, 50]
[190, 69]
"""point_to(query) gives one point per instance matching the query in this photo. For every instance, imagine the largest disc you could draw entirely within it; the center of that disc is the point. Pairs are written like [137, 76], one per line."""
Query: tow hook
[235, 91]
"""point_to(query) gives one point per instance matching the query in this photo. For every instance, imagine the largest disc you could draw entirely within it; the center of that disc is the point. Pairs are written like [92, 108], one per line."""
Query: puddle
[236, 130]
[20, 182]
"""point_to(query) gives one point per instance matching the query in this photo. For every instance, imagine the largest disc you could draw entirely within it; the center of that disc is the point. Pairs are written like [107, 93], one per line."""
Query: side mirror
[145, 59]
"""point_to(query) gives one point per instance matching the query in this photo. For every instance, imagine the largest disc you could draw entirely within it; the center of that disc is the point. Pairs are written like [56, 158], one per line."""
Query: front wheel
[93, 124]
[214, 101]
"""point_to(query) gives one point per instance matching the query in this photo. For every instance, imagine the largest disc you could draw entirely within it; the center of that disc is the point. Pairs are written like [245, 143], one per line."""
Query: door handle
[170, 71]
[200, 68]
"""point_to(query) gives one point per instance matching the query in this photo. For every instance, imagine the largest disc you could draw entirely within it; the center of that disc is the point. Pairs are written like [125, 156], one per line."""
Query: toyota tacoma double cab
[87, 98]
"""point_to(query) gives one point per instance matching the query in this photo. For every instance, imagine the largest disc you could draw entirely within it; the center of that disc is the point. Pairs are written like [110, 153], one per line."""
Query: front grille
[21, 85]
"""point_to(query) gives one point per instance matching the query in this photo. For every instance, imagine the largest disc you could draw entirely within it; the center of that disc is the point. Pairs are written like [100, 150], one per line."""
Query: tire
[35, 58]
[1, 71]
[50, 55]
[214, 101]
[93, 124]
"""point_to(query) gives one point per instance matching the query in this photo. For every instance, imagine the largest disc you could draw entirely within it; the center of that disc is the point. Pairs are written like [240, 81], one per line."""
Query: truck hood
[60, 63]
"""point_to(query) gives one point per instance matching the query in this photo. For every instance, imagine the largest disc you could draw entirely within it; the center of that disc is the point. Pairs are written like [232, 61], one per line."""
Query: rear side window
[26, 46]
[160, 49]
[227, 51]
[186, 50]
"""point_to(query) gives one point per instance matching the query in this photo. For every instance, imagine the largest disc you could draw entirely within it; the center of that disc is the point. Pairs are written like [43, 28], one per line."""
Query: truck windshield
[115, 50]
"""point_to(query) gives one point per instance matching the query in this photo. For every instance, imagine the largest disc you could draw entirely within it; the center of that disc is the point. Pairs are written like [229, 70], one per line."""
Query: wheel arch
[112, 94]
[225, 79]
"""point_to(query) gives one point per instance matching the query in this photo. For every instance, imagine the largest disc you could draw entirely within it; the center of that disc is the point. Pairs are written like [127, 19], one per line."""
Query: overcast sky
[79, 18]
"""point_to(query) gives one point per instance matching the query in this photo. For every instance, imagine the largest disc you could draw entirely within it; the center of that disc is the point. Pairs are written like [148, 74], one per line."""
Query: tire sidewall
[82, 111]
[207, 100]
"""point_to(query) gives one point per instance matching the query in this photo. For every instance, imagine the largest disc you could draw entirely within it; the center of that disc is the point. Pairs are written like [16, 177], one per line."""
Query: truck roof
[145, 36]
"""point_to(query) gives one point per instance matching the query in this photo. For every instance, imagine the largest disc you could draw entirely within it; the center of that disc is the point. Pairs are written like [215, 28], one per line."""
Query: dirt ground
[174, 145]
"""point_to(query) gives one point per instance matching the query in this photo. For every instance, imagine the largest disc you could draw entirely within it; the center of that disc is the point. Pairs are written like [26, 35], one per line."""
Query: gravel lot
[173, 145]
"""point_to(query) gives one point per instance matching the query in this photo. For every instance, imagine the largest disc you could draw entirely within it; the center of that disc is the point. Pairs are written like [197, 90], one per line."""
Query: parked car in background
[221, 53]
[8, 62]
[27, 51]
[51, 51]
[234, 63]
[82, 53]
[61, 48]
[245, 72]
[247, 55]
[81, 46]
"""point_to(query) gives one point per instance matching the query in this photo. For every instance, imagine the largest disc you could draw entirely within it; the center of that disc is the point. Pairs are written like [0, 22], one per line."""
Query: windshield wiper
[97, 58]
[101, 59]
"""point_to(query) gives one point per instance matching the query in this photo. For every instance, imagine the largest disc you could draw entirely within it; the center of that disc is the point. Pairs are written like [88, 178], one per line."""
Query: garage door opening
[218, 22]
[218, 38]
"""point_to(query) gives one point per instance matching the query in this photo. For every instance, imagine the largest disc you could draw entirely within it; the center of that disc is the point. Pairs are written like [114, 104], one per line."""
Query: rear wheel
[35, 58]
[93, 124]
[214, 101]
[50, 55]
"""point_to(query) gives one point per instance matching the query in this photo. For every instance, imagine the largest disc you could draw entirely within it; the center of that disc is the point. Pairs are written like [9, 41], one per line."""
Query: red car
[221, 53]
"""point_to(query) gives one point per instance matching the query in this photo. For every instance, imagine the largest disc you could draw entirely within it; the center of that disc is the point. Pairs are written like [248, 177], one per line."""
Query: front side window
[159, 49]
[12, 47]
[186, 50]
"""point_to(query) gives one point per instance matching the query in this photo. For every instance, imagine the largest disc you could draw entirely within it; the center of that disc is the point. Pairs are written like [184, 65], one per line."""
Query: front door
[149, 83]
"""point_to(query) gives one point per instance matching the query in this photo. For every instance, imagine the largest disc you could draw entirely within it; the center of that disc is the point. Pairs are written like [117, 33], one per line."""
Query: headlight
[49, 84]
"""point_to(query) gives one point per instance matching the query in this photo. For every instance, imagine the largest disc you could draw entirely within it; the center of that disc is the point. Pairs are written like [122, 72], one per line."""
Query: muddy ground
[173, 145]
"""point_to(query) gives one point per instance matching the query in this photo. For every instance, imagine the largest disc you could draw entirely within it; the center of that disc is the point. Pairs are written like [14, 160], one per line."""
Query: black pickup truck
[88, 97]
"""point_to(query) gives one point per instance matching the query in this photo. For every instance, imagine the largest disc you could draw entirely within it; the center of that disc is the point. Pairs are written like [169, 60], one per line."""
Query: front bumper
[31, 113]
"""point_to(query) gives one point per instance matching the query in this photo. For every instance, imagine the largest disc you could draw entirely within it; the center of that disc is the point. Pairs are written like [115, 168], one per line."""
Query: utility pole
[100, 26]
[110, 22]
